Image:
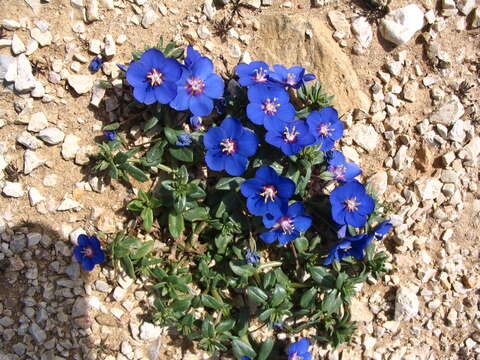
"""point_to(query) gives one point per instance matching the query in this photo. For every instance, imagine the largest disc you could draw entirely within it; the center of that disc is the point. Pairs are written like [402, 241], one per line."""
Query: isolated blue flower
[269, 106]
[88, 252]
[355, 245]
[291, 138]
[252, 257]
[286, 224]
[255, 73]
[293, 77]
[111, 135]
[351, 204]
[153, 77]
[229, 146]
[184, 140]
[197, 87]
[325, 126]
[382, 229]
[267, 192]
[95, 64]
[195, 122]
[299, 350]
[341, 169]
[350, 246]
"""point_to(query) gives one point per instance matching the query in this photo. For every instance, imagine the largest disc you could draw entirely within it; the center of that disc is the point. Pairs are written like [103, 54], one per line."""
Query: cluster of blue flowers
[192, 86]
[296, 351]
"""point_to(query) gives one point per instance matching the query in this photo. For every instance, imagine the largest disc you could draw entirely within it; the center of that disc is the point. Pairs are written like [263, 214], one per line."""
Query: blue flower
[269, 106]
[197, 87]
[341, 169]
[95, 64]
[293, 77]
[351, 204]
[325, 126]
[267, 192]
[287, 224]
[195, 122]
[252, 257]
[350, 246]
[291, 138]
[153, 77]
[229, 146]
[245, 358]
[88, 252]
[382, 229]
[184, 140]
[355, 245]
[255, 73]
[111, 135]
[299, 350]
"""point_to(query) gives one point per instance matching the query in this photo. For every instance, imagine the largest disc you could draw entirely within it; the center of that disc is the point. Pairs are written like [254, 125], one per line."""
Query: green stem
[165, 168]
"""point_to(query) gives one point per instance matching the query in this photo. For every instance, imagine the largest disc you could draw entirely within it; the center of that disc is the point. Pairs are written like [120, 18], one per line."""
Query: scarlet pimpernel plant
[267, 227]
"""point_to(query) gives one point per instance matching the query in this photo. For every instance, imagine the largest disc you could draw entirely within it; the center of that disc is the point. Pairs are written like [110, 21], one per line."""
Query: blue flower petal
[182, 99]
[213, 137]
[251, 187]
[214, 86]
[152, 58]
[256, 205]
[355, 219]
[285, 187]
[286, 238]
[144, 95]
[165, 92]
[231, 127]
[269, 236]
[248, 143]
[201, 105]
[215, 160]
[171, 70]
[255, 113]
[303, 223]
[235, 165]
[202, 68]
[136, 74]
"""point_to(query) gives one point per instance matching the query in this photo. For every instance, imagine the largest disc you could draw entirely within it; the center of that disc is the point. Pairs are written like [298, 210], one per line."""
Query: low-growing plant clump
[267, 227]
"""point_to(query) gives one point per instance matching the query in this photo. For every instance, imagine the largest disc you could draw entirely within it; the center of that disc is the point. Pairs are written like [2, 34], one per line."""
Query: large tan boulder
[307, 41]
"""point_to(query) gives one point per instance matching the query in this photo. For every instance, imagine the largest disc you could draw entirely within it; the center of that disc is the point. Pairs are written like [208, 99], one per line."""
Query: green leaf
[134, 172]
[181, 305]
[224, 326]
[150, 123]
[171, 135]
[143, 250]
[195, 191]
[229, 183]
[113, 172]
[307, 297]
[240, 349]
[331, 303]
[257, 295]
[120, 158]
[128, 266]
[243, 271]
[222, 240]
[196, 214]
[279, 295]
[266, 349]
[211, 302]
[208, 331]
[176, 224]
[155, 153]
[111, 126]
[135, 205]
[147, 217]
[318, 273]
[183, 154]
[266, 314]
[301, 244]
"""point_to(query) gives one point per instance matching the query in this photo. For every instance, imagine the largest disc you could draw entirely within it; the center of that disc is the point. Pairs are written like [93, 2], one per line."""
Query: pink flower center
[352, 204]
[87, 251]
[229, 146]
[260, 75]
[269, 193]
[324, 130]
[195, 86]
[338, 172]
[291, 79]
[286, 224]
[155, 77]
[270, 107]
[290, 136]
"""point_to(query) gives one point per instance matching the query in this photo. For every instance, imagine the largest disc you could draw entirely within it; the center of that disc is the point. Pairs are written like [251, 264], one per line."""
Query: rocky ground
[406, 84]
